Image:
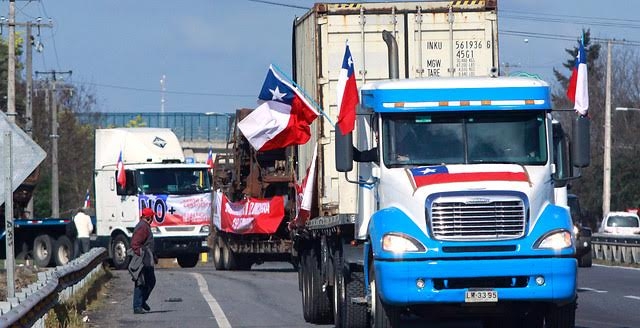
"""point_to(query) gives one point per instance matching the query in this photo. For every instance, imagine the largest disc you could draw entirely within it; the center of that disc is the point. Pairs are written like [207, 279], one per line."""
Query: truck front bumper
[446, 281]
[166, 247]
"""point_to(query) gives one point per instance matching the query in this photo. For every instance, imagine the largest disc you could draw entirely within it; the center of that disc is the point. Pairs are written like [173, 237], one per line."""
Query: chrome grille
[470, 218]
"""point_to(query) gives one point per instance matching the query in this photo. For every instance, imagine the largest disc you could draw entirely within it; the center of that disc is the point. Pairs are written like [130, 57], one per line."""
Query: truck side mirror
[580, 151]
[344, 151]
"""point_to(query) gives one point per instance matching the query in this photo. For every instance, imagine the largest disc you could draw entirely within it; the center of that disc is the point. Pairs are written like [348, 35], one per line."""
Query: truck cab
[457, 209]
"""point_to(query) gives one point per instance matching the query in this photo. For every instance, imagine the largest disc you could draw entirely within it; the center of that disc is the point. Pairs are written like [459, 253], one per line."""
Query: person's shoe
[138, 311]
[146, 307]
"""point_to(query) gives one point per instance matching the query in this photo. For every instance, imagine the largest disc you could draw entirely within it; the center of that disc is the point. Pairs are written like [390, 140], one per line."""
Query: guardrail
[29, 306]
[616, 248]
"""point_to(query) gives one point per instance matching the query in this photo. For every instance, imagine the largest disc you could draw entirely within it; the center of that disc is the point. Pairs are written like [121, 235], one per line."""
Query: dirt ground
[24, 275]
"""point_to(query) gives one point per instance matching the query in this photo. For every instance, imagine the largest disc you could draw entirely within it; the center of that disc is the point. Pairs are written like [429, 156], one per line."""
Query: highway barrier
[29, 306]
[616, 248]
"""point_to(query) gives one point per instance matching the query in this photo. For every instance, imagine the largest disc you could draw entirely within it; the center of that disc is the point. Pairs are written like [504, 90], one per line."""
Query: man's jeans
[141, 293]
[81, 246]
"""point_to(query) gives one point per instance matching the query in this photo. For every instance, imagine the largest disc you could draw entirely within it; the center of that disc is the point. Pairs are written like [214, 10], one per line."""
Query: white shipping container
[441, 38]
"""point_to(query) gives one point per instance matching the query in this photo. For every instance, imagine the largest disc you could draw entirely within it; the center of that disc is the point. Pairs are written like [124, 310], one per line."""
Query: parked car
[621, 223]
[581, 231]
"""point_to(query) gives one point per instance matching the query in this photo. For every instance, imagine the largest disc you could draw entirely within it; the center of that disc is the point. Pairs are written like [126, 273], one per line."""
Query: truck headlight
[558, 239]
[155, 230]
[400, 243]
[204, 229]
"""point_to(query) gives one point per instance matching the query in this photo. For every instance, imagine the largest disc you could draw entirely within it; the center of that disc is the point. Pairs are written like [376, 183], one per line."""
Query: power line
[590, 18]
[188, 93]
[564, 37]
[280, 4]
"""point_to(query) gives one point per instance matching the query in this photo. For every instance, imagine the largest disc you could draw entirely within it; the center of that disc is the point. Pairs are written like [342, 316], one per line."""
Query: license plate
[480, 296]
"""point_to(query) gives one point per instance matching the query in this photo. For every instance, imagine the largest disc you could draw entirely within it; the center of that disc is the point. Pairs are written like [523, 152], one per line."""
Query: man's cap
[147, 212]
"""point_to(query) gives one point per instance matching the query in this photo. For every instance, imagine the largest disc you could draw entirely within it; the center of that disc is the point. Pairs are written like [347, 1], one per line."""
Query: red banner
[253, 215]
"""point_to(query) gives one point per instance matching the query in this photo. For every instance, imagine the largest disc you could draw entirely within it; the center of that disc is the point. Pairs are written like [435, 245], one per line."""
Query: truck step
[359, 300]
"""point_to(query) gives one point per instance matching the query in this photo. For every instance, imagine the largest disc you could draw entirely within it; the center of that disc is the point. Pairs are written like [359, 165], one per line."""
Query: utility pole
[606, 180]
[55, 192]
[11, 60]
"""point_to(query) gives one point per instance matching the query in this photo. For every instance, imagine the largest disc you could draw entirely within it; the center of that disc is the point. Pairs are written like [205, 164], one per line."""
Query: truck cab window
[130, 188]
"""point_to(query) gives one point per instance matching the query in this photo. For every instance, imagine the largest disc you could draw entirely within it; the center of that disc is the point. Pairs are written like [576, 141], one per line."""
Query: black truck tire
[188, 260]
[561, 316]
[63, 250]
[353, 314]
[382, 315]
[42, 250]
[228, 258]
[217, 253]
[585, 261]
[305, 279]
[320, 309]
[119, 246]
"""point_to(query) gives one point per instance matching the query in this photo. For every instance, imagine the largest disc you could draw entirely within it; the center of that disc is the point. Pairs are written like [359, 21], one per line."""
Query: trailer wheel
[119, 246]
[63, 250]
[228, 258]
[42, 250]
[217, 253]
[320, 309]
[188, 260]
[304, 285]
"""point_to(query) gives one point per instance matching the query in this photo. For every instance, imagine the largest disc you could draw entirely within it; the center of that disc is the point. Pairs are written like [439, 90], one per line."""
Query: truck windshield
[173, 181]
[464, 138]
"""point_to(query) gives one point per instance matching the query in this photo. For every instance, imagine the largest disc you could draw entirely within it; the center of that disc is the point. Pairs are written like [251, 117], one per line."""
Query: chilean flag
[304, 197]
[347, 94]
[87, 200]
[210, 159]
[121, 178]
[282, 120]
[578, 90]
[429, 175]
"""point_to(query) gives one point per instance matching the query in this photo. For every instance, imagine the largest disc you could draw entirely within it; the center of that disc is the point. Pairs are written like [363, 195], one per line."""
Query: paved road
[267, 296]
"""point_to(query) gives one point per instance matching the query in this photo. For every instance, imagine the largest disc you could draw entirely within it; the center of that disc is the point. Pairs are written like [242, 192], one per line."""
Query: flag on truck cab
[428, 175]
[210, 159]
[283, 118]
[304, 197]
[347, 94]
[578, 90]
[87, 200]
[121, 178]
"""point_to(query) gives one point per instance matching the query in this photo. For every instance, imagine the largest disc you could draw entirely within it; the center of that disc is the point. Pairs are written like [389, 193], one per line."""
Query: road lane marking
[587, 289]
[633, 297]
[617, 267]
[221, 319]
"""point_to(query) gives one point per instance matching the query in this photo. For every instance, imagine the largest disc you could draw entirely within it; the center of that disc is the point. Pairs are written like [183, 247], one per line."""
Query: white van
[621, 223]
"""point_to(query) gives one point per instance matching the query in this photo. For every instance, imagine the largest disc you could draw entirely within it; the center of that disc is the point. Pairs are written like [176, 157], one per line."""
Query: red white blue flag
[347, 99]
[304, 197]
[284, 117]
[430, 175]
[121, 177]
[210, 159]
[87, 200]
[578, 90]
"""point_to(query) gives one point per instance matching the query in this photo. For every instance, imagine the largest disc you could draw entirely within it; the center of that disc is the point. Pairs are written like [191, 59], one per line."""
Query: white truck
[451, 211]
[156, 177]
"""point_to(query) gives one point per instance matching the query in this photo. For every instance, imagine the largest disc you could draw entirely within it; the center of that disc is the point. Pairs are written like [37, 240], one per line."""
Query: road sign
[26, 155]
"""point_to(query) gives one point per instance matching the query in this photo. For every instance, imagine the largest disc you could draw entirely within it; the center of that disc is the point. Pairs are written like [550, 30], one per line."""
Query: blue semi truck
[451, 208]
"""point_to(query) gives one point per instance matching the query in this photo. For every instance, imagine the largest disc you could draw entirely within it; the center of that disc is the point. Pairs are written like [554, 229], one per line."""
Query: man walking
[84, 227]
[142, 247]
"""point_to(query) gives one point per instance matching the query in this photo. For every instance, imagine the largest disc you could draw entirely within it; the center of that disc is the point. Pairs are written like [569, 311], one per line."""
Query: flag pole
[316, 105]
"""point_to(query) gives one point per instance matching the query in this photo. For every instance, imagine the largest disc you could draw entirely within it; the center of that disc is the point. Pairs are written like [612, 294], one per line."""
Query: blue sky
[215, 53]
